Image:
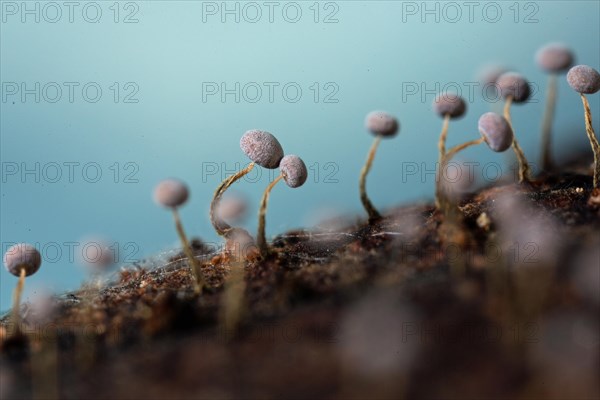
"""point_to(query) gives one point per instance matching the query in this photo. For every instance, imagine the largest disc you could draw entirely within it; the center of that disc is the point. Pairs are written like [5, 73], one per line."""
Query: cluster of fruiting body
[382, 125]
[495, 131]
[264, 149]
[556, 58]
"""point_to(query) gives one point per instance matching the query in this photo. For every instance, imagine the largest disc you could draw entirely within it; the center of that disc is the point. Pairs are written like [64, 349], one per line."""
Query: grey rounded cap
[515, 85]
[554, 57]
[171, 193]
[449, 104]
[262, 148]
[293, 170]
[584, 79]
[496, 131]
[382, 124]
[22, 256]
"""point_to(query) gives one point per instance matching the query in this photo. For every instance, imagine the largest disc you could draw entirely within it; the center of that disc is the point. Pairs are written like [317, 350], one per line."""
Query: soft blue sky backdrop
[172, 52]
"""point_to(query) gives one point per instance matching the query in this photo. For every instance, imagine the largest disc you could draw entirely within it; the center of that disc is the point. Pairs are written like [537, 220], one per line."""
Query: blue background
[368, 52]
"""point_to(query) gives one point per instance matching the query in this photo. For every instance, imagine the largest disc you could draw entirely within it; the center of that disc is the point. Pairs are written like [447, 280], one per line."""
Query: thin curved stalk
[524, 170]
[589, 129]
[443, 136]
[187, 249]
[444, 203]
[442, 152]
[451, 229]
[546, 156]
[261, 241]
[222, 227]
[364, 198]
[16, 312]
[460, 147]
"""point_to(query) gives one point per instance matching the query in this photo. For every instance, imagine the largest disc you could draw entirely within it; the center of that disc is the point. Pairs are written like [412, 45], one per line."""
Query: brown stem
[441, 198]
[16, 313]
[546, 156]
[443, 136]
[452, 152]
[523, 164]
[261, 242]
[187, 249]
[364, 198]
[442, 152]
[593, 141]
[222, 227]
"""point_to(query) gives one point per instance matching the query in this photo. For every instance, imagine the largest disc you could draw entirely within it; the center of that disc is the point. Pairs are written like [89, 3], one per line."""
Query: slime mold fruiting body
[171, 194]
[382, 125]
[586, 80]
[514, 88]
[21, 260]
[448, 106]
[263, 149]
[294, 173]
[553, 58]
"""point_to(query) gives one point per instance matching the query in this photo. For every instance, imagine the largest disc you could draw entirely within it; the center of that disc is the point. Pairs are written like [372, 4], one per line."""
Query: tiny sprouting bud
[171, 193]
[514, 85]
[262, 148]
[22, 256]
[293, 170]
[382, 124]
[584, 79]
[554, 58]
[449, 104]
[496, 131]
